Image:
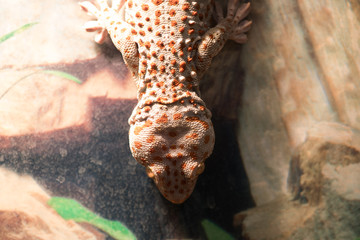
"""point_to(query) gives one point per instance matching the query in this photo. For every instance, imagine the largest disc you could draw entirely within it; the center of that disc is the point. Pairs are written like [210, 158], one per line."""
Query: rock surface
[24, 213]
[299, 123]
[324, 181]
[301, 68]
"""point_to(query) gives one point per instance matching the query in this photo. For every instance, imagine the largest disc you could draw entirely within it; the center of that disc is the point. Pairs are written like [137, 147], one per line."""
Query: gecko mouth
[176, 186]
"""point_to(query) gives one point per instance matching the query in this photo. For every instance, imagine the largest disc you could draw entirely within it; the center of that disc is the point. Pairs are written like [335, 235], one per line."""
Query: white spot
[187, 41]
[180, 40]
[193, 74]
[191, 22]
[181, 78]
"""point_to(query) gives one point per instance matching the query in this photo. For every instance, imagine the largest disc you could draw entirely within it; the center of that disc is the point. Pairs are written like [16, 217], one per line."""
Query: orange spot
[196, 119]
[173, 23]
[150, 139]
[147, 109]
[140, 24]
[174, 2]
[183, 166]
[145, 7]
[142, 33]
[162, 57]
[158, 13]
[193, 136]
[133, 32]
[206, 139]
[160, 44]
[153, 65]
[183, 18]
[162, 68]
[175, 82]
[137, 144]
[162, 119]
[147, 45]
[181, 29]
[159, 84]
[138, 15]
[130, 4]
[157, 21]
[171, 43]
[138, 129]
[182, 64]
[172, 12]
[191, 31]
[173, 62]
[186, 6]
[180, 155]
[157, 2]
[177, 116]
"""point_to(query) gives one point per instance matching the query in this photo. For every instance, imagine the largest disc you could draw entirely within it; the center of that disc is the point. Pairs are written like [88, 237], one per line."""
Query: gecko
[167, 46]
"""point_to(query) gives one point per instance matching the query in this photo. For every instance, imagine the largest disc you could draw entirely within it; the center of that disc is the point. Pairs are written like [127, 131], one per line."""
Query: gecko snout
[174, 184]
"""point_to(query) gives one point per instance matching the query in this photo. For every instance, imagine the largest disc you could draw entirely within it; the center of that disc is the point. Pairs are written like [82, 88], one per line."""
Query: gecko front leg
[111, 20]
[232, 27]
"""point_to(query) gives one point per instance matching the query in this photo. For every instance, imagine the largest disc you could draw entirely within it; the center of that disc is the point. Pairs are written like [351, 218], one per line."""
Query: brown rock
[24, 213]
[324, 181]
[300, 68]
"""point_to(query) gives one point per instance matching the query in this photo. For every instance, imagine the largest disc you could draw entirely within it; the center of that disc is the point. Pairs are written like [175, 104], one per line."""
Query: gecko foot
[99, 25]
[235, 16]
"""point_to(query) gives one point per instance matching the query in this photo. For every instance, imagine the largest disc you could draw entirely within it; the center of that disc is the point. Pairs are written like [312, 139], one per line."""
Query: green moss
[214, 232]
[70, 209]
[19, 30]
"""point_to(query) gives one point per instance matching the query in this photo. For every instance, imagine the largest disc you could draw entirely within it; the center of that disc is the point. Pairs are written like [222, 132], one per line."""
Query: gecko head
[173, 146]
[176, 178]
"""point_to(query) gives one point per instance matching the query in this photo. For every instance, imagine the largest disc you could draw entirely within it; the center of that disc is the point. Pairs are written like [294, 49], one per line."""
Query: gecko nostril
[149, 173]
[172, 134]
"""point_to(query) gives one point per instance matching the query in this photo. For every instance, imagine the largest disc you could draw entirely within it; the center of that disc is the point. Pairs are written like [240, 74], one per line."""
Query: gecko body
[168, 45]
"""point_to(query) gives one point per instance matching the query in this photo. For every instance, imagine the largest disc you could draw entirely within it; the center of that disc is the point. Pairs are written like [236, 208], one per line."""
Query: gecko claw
[236, 18]
[92, 26]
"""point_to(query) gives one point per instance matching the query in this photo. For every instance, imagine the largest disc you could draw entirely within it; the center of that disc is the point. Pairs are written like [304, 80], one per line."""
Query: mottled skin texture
[168, 45]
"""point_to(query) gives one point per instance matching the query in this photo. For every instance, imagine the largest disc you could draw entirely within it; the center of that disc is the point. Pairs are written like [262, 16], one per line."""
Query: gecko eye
[199, 170]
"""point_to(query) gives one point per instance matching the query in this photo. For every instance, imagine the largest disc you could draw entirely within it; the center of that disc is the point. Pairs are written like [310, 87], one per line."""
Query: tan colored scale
[168, 45]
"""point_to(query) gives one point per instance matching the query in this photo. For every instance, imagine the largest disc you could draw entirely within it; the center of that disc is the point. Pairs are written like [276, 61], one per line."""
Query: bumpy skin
[168, 45]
